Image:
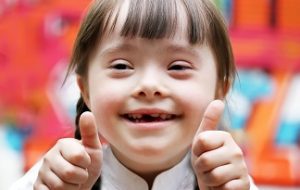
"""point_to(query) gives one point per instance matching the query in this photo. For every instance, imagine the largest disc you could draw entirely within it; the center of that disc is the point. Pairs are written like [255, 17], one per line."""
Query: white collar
[115, 176]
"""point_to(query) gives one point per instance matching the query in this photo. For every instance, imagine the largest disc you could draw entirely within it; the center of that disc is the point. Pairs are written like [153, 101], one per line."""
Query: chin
[156, 153]
[148, 150]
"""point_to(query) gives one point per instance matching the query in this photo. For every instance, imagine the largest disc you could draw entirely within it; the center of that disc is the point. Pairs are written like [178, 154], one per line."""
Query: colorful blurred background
[263, 110]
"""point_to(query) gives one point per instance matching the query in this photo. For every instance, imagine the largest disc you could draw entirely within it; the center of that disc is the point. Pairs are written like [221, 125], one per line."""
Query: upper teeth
[135, 116]
[154, 115]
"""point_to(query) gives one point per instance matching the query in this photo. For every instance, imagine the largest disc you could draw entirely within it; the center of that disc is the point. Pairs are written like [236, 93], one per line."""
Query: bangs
[156, 19]
[149, 19]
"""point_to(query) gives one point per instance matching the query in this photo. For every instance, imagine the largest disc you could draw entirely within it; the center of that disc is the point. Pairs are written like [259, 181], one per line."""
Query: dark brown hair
[153, 19]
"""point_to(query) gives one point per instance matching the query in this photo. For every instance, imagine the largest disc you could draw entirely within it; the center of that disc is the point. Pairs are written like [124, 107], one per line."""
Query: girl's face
[148, 96]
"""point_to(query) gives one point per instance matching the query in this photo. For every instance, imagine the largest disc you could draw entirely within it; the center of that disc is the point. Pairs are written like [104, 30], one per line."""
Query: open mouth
[143, 118]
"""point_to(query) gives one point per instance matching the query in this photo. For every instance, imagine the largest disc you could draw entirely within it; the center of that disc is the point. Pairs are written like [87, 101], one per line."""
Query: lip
[151, 125]
[149, 111]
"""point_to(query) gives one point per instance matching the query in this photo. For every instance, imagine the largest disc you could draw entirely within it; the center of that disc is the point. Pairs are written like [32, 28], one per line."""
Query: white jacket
[115, 176]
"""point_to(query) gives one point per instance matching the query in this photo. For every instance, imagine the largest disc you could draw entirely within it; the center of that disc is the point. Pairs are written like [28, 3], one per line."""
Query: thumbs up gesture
[71, 163]
[217, 160]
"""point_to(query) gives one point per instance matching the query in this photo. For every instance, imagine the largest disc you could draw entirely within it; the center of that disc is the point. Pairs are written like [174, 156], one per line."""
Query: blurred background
[263, 111]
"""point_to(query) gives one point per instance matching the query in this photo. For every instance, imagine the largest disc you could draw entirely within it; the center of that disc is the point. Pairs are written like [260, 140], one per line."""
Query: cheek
[105, 103]
[194, 99]
[195, 109]
[104, 94]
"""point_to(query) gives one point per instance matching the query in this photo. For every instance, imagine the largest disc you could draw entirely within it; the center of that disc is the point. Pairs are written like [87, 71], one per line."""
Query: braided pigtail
[80, 108]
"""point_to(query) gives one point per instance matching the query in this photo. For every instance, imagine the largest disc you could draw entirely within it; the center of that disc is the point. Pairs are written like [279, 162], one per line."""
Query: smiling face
[148, 95]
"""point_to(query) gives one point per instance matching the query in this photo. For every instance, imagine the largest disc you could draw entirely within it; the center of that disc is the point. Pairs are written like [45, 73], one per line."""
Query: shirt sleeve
[26, 182]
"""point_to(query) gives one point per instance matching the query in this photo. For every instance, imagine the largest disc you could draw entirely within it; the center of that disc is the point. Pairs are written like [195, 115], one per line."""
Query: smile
[142, 118]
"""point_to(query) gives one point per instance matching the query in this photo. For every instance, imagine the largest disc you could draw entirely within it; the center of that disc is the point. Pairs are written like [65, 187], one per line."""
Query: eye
[121, 65]
[120, 68]
[179, 66]
[180, 69]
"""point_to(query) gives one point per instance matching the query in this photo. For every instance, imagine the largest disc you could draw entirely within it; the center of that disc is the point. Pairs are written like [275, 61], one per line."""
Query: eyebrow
[170, 48]
[121, 47]
[189, 50]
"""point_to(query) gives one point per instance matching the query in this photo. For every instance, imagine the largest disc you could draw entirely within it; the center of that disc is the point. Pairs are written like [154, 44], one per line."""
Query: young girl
[152, 74]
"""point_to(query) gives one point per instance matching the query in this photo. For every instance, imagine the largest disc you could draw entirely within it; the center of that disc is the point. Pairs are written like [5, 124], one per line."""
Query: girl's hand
[217, 160]
[73, 164]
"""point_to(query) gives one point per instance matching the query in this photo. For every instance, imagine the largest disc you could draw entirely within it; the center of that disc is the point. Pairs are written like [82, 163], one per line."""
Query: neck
[149, 178]
[148, 169]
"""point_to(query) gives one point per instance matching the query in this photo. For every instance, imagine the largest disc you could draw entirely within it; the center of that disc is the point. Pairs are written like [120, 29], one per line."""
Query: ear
[84, 90]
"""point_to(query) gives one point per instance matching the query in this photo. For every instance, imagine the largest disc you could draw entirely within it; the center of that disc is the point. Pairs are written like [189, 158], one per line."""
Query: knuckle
[226, 187]
[197, 168]
[215, 176]
[42, 173]
[204, 161]
[68, 173]
[59, 185]
[202, 139]
[238, 154]
[46, 161]
[81, 159]
[242, 184]
[79, 155]
[84, 177]
[202, 164]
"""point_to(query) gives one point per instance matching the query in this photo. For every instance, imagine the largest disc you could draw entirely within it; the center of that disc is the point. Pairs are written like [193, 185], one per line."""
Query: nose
[150, 86]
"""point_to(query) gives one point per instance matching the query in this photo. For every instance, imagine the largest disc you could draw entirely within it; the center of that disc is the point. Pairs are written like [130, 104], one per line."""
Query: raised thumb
[88, 131]
[211, 116]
